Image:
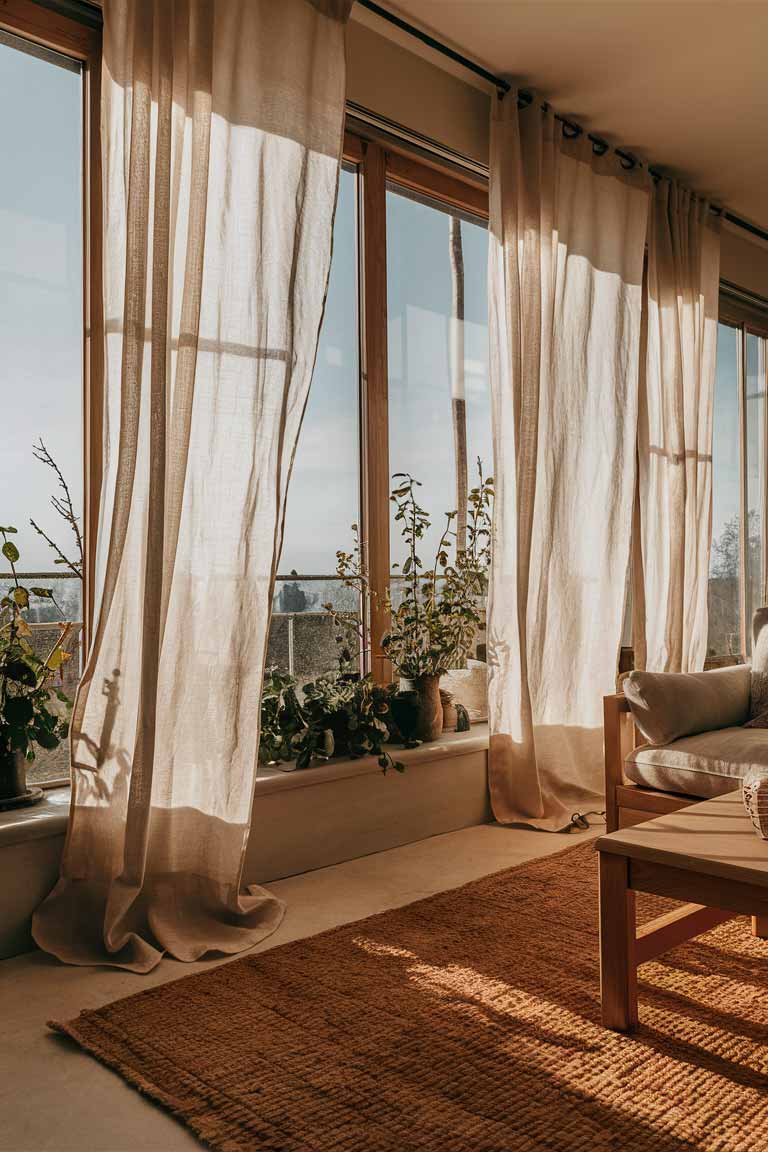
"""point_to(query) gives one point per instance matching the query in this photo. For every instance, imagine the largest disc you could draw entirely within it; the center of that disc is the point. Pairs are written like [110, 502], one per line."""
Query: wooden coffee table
[707, 854]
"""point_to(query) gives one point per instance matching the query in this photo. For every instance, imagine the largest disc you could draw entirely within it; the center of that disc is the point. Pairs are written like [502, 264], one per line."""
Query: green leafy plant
[33, 712]
[337, 715]
[436, 620]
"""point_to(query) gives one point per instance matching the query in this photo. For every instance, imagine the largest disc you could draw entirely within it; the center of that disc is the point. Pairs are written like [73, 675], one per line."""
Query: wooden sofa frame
[627, 804]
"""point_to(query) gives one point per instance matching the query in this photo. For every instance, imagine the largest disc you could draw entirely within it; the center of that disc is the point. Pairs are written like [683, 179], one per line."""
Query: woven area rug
[468, 1022]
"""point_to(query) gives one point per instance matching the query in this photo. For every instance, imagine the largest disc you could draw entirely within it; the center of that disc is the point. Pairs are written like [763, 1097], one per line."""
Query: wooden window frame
[379, 164]
[82, 42]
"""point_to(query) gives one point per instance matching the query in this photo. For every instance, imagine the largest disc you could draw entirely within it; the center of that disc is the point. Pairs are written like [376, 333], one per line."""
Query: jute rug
[468, 1022]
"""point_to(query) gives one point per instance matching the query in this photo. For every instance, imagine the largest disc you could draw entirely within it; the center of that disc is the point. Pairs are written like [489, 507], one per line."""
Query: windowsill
[50, 816]
[271, 778]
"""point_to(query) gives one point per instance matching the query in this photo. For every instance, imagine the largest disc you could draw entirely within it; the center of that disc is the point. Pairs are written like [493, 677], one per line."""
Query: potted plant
[33, 712]
[336, 715]
[436, 620]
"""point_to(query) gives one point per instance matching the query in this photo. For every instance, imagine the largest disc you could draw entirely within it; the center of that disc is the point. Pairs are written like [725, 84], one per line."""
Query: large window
[755, 462]
[725, 554]
[737, 578]
[439, 404]
[324, 494]
[410, 395]
[41, 333]
[439, 401]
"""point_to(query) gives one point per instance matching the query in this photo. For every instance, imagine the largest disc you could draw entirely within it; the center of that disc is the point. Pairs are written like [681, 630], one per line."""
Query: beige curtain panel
[567, 233]
[674, 440]
[222, 129]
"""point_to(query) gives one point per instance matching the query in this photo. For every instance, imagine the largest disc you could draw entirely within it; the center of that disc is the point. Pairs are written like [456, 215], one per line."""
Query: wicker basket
[469, 686]
[755, 791]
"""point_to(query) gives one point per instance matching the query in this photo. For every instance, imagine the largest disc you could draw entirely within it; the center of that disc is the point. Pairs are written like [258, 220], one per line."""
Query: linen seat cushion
[705, 765]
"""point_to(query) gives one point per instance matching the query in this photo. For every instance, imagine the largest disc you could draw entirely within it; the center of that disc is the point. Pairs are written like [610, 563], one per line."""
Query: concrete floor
[54, 1097]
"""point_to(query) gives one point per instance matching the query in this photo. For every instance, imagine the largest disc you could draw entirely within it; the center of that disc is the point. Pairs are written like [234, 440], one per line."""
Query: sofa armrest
[619, 740]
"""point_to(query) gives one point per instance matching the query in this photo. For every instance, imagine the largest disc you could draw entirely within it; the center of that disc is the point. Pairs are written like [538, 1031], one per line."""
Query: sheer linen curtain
[567, 233]
[222, 130]
[674, 440]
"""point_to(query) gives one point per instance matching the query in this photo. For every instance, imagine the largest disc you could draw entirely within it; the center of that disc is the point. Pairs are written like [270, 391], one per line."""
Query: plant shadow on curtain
[567, 232]
[222, 132]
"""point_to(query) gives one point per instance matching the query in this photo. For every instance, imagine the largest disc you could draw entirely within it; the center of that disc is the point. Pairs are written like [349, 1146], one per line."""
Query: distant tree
[292, 597]
[724, 580]
[725, 560]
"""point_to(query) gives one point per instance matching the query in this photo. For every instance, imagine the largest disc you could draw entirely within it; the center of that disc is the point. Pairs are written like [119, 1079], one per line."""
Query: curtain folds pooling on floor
[221, 138]
[567, 232]
[674, 436]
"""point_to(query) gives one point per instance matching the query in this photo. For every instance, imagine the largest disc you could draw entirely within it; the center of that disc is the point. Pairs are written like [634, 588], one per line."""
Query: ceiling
[682, 83]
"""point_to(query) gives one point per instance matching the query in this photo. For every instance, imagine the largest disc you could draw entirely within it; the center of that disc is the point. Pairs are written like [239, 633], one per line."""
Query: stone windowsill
[50, 816]
[274, 779]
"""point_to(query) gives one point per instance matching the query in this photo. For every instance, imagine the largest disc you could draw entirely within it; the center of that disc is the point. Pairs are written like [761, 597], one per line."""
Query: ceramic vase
[430, 717]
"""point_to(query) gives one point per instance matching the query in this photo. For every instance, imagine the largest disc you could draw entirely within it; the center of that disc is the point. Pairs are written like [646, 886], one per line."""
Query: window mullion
[763, 375]
[375, 410]
[743, 502]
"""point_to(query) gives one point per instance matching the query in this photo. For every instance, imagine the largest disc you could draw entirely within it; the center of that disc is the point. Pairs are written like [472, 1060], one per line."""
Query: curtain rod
[524, 99]
[83, 11]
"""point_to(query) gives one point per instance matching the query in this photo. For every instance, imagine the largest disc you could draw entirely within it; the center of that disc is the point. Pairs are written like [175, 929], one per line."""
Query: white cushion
[708, 764]
[668, 705]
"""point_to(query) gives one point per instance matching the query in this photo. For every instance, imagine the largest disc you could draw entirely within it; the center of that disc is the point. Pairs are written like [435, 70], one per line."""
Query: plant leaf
[20, 673]
[18, 710]
[21, 596]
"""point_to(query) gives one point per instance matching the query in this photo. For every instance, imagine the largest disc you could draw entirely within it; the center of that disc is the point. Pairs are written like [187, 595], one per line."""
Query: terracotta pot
[430, 719]
[13, 775]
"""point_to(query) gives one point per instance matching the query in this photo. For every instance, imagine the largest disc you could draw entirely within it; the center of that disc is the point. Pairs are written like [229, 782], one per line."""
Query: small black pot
[13, 775]
[406, 707]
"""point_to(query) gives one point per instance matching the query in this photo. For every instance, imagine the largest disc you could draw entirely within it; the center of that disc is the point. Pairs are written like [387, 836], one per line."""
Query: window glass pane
[324, 493]
[756, 466]
[439, 400]
[41, 324]
[724, 568]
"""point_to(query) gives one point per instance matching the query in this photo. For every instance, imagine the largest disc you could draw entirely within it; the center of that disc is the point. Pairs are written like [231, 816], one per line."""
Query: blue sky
[324, 497]
[40, 291]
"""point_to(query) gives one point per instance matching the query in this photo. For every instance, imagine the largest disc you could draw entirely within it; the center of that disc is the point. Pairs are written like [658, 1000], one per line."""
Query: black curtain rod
[524, 99]
[80, 10]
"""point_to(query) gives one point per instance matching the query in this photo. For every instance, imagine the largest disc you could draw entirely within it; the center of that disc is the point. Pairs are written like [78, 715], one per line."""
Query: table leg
[760, 927]
[618, 968]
